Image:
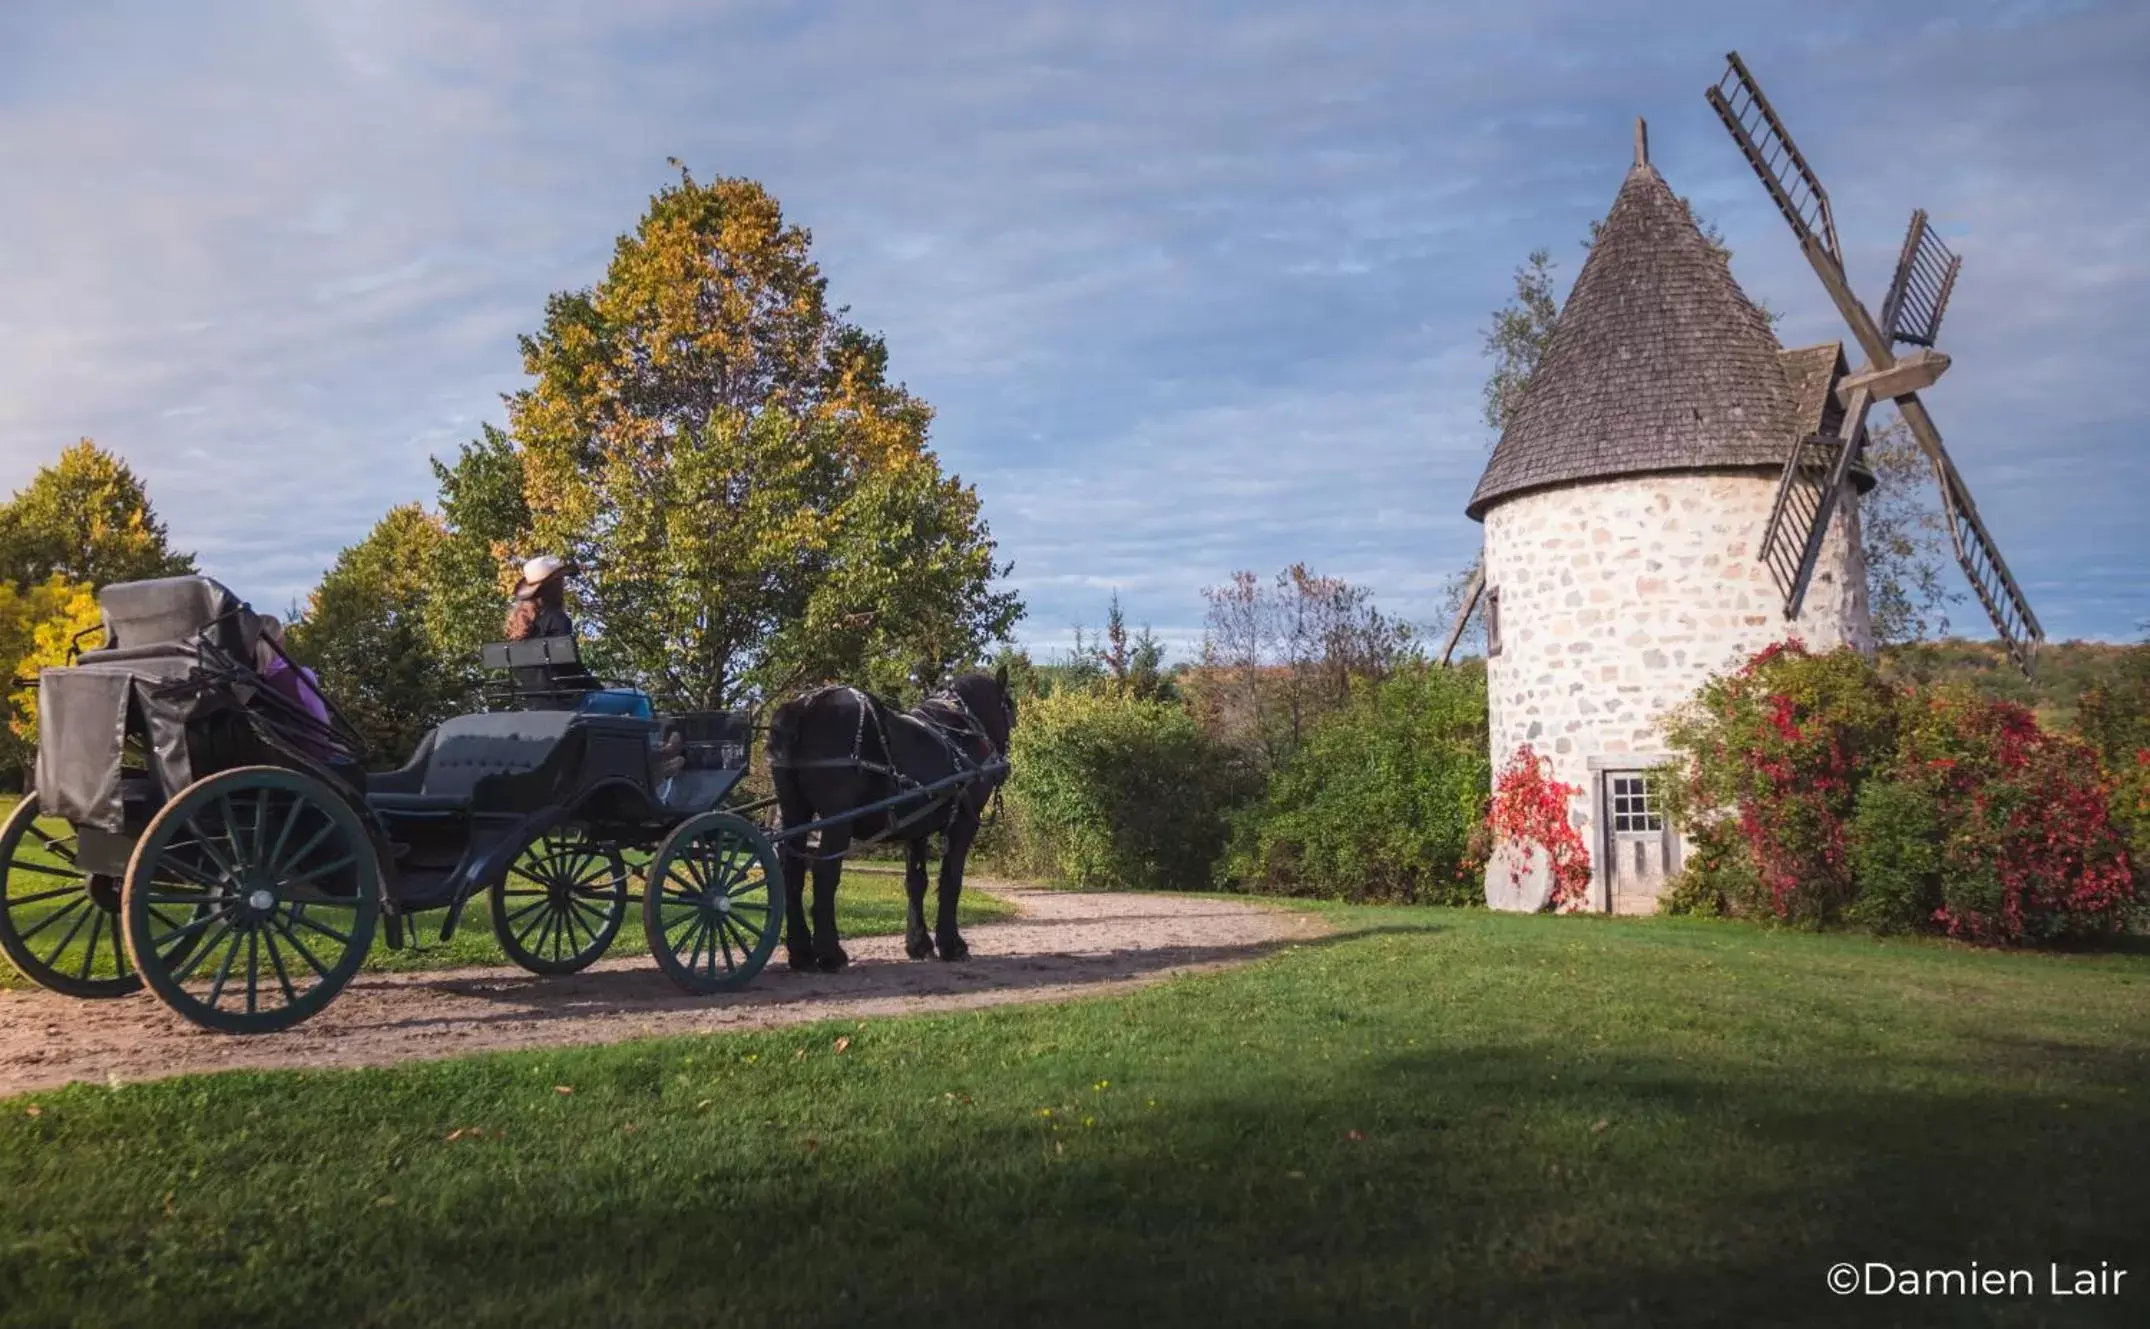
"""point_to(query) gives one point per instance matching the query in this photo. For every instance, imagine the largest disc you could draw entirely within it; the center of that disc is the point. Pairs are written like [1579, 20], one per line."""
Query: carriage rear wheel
[711, 904]
[278, 887]
[60, 923]
[562, 902]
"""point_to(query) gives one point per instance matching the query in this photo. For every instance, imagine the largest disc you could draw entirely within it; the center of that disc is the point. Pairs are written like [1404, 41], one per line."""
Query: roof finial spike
[1642, 142]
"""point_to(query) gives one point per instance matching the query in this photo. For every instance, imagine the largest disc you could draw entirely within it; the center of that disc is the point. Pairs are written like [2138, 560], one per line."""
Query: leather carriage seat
[143, 618]
[448, 764]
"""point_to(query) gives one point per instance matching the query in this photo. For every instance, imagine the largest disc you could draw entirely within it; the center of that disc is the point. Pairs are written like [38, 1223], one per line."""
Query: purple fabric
[300, 686]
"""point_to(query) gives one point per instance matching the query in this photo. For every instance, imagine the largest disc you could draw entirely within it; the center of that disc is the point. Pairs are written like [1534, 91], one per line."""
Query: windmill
[1819, 466]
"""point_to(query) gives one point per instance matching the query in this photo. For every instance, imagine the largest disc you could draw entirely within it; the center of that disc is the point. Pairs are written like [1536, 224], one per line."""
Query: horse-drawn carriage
[192, 828]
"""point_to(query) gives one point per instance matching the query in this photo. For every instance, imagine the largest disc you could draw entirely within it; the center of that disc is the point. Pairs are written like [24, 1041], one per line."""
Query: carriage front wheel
[712, 906]
[562, 901]
[274, 879]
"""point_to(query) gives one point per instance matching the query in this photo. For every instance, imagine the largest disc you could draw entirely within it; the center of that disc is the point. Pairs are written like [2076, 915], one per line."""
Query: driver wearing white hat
[541, 600]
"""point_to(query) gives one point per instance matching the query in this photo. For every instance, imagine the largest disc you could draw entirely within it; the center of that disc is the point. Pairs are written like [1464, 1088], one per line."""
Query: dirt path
[1061, 945]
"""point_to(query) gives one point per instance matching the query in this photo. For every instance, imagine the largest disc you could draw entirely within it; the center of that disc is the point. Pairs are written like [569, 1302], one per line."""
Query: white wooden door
[1640, 851]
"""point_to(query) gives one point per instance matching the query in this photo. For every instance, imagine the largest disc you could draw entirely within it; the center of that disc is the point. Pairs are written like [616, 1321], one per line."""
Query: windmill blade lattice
[1925, 274]
[1761, 135]
[1814, 478]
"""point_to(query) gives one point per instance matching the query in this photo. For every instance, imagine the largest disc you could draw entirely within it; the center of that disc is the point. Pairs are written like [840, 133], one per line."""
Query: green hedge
[1108, 791]
[1381, 801]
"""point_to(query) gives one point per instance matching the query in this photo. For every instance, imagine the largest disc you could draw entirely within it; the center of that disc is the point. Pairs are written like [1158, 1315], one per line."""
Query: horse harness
[953, 739]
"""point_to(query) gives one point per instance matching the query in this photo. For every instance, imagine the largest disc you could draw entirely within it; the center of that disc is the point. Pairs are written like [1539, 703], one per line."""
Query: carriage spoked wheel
[60, 923]
[561, 902]
[712, 903]
[279, 888]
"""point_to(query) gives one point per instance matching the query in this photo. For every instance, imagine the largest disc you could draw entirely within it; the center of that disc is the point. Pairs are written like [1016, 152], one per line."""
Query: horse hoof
[802, 960]
[919, 948]
[833, 961]
[955, 948]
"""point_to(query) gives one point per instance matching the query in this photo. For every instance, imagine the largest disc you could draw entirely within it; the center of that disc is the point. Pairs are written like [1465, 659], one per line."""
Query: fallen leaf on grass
[1353, 1135]
[33, 1111]
[386, 1202]
[1296, 1176]
[812, 1144]
[704, 1104]
[1599, 1125]
[563, 1089]
[843, 1043]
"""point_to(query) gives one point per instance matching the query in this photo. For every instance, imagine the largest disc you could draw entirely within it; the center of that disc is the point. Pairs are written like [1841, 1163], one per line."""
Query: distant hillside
[2065, 669]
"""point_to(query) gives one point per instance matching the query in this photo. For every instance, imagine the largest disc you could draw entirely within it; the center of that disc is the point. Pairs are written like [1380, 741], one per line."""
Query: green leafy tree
[753, 502]
[365, 631]
[1904, 537]
[86, 517]
[471, 570]
[1517, 337]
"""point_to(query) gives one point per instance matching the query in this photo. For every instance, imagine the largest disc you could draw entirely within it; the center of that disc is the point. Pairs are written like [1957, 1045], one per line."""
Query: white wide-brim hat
[538, 571]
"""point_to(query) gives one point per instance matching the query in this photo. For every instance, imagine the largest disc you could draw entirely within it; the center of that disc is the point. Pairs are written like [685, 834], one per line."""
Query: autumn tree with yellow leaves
[753, 502]
[83, 522]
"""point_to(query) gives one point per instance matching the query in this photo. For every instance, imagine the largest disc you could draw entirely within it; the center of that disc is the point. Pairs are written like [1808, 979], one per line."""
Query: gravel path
[1062, 944]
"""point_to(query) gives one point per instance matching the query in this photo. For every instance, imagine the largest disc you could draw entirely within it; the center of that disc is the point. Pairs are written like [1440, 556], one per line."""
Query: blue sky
[1193, 287]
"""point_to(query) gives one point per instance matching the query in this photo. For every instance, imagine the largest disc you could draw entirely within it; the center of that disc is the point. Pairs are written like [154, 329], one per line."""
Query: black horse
[838, 749]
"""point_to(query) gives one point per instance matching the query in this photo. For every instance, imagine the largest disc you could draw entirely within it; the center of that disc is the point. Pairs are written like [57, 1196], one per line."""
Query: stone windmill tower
[1624, 510]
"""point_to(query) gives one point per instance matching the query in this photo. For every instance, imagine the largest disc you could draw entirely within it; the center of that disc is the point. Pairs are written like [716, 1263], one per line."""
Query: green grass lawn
[1434, 1116]
[869, 903]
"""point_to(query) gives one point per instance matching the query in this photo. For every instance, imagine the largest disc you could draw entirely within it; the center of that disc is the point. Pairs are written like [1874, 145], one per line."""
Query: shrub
[1780, 748]
[1718, 871]
[1814, 791]
[1380, 801]
[2113, 716]
[1990, 828]
[1111, 791]
[1530, 812]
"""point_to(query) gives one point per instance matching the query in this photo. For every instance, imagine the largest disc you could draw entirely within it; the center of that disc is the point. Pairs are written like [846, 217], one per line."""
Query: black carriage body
[172, 696]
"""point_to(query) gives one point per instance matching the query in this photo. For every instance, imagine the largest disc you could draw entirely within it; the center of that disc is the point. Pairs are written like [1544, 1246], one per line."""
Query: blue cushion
[618, 701]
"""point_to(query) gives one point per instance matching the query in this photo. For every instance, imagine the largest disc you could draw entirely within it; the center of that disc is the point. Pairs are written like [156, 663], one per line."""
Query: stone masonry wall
[1618, 598]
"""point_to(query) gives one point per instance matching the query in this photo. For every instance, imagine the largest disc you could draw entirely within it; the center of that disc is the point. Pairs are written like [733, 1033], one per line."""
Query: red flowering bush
[1775, 754]
[1530, 811]
[1814, 791]
[1989, 828]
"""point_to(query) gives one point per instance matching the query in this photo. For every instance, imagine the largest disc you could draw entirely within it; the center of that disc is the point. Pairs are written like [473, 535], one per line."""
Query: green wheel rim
[279, 889]
[561, 903]
[60, 925]
[712, 905]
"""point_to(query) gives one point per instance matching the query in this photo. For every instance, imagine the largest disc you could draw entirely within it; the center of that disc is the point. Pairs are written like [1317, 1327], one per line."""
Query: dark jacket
[531, 619]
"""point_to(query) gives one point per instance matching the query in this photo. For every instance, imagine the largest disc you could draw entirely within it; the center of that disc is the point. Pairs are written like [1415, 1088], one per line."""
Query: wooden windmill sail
[1818, 466]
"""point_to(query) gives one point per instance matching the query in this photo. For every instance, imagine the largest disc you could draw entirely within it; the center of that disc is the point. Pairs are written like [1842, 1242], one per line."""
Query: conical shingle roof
[1658, 362]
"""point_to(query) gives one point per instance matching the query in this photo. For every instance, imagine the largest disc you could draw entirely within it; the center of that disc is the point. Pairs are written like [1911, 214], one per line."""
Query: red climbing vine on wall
[1530, 810]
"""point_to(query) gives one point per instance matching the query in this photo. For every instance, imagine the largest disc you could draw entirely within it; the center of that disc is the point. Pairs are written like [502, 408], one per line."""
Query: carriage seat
[144, 618]
[444, 772]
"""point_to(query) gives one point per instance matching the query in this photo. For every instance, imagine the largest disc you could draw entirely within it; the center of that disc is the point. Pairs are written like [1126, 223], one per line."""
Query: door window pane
[1634, 805]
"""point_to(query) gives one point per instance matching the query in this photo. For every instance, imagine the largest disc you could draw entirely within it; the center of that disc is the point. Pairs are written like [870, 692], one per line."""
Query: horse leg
[798, 936]
[917, 942]
[961, 831]
[828, 953]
